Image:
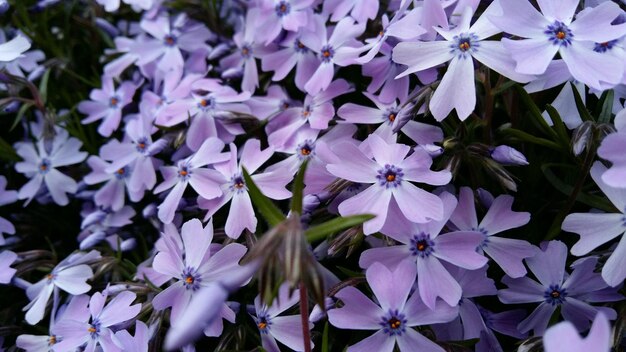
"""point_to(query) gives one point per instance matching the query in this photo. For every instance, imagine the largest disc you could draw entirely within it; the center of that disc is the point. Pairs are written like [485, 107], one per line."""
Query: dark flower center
[604, 47]
[421, 245]
[305, 149]
[44, 166]
[141, 145]
[184, 172]
[246, 51]
[394, 323]
[170, 40]
[559, 34]
[113, 102]
[555, 295]
[264, 324]
[282, 8]
[327, 53]
[94, 329]
[390, 176]
[191, 279]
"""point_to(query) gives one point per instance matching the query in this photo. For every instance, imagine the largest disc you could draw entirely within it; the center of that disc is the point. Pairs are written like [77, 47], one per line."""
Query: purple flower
[114, 5]
[424, 245]
[612, 149]
[564, 337]
[390, 175]
[289, 15]
[272, 327]
[596, 229]
[111, 195]
[6, 272]
[394, 316]
[12, 49]
[457, 89]
[506, 252]
[360, 10]
[292, 53]
[384, 71]
[138, 343]
[106, 104]
[557, 288]
[70, 275]
[191, 171]
[40, 166]
[333, 50]
[95, 329]
[506, 155]
[6, 197]
[553, 30]
[194, 263]
[241, 213]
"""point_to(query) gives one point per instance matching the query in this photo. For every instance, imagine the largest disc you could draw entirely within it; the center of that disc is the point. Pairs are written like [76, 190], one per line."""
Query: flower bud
[506, 155]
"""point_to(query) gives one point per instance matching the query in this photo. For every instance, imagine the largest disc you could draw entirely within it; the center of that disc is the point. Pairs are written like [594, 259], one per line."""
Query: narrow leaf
[298, 189]
[266, 207]
[582, 109]
[606, 101]
[559, 126]
[43, 86]
[325, 338]
[321, 231]
[535, 112]
[527, 137]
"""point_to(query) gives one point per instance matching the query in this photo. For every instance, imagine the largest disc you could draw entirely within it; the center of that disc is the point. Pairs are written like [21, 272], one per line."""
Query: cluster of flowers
[187, 114]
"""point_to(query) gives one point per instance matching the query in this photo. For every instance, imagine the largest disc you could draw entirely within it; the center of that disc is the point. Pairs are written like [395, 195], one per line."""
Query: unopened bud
[506, 155]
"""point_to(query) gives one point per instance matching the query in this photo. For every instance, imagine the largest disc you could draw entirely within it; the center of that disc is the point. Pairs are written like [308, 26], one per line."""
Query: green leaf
[325, 338]
[559, 126]
[20, 115]
[298, 189]
[527, 137]
[606, 101]
[323, 230]
[582, 109]
[7, 152]
[266, 207]
[503, 87]
[43, 86]
[535, 112]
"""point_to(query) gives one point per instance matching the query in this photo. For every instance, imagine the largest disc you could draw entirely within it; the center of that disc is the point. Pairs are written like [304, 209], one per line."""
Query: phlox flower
[425, 246]
[111, 194]
[460, 46]
[70, 275]
[101, 224]
[383, 71]
[241, 213]
[168, 87]
[275, 327]
[394, 316]
[194, 263]
[40, 163]
[25, 62]
[138, 343]
[95, 328]
[289, 15]
[6, 197]
[6, 272]
[557, 288]
[554, 30]
[360, 10]
[114, 5]
[191, 171]
[106, 104]
[274, 102]
[596, 229]
[612, 149]
[12, 49]
[292, 52]
[563, 337]
[506, 252]
[390, 175]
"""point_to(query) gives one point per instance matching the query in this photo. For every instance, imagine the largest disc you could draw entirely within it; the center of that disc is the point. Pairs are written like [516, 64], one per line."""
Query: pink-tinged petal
[209, 153]
[459, 248]
[110, 123]
[521, 19]
[365, 9]
[596, 24]
[358, 311]
[590, 67]
[58, 185]
[73, 279]
[167, 263]
[422, 133]
[94, 109]
[562, 10]
[207, 183]
[215, 204]
[360, 114]
[320, 80]
[416, 204]
[252, 157]
[594, 229]
[281, 62]
[202, 127]
[509, 253]
[549, 264]
[220, 265]
[74, 334]
[435, 281]
[464, 215]
[111, 195]
[295, 20]
[240, 216]
[196, 240]
[374, 200]
[344, 31]
[493, 55]
[412, 340]
[355, 167]
[288, 331]
[379, 342]
[538, 319]
[272, 184]
[531, 55]
[305, 69]
[500, 217]
[614, 270]
[456, 90]
[37, 307]
[96, 303]
[321, 115]
[406, 27]
[167, 209]
[421, 55]
[171, 59]
[385, 153]
[521, 290]
[120, 309]
[392, 288]
[390, 256]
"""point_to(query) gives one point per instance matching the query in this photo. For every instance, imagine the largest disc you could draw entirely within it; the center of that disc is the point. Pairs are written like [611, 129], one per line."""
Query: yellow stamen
[391, 178]
[560, 35]
[189, 280]
[91, 329]
[305, 151]
[464, 46]
[262, 325]
[392, 117]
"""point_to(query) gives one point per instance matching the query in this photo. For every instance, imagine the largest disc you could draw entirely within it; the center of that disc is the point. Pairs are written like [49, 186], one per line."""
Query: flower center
[299, 46]
[52, 340]
[184, 172]
[464, 43]
[282, 8]
[141, 145]
[246, 51]
[555, 295]
[94, 329]
[237, 183]
[421, 245]
[559, 34]
[44, 166]
[264, 324]
[169, 40]
[604, 47]
[390, 176]
[207, 103]
[394, 323]
[191, 279]
[121, 173]
[327, 53]
[305, 149]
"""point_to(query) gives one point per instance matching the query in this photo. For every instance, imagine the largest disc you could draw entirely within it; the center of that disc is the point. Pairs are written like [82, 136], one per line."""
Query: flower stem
[304, 314]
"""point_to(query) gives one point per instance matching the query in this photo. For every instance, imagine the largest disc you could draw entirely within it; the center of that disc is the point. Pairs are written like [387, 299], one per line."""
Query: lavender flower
[6, 272]
[40, 166]
[563, 337]
[390, 175]
[394, 316]
[6, 197]
[106, 104]
[289, 15]
[138, 343]
[95, 329]
[506, 155]
[292, 53]
[558, 289]
[612, 149]
[596, 229]
[12, 49]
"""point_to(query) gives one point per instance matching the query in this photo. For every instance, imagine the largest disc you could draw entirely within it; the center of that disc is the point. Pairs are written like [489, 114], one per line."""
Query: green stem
[304, 314]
